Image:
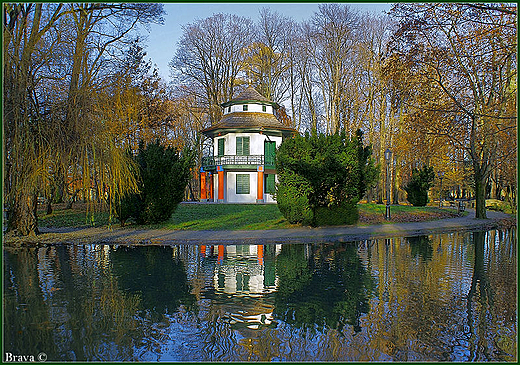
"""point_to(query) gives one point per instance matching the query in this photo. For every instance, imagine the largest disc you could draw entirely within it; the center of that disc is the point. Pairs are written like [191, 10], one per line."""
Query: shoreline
[138, 236]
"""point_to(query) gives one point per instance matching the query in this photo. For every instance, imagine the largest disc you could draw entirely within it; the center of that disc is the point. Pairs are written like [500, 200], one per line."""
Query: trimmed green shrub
[163, 177]
[322, 177]
[345, 213]
[418, 186]
[292, 196]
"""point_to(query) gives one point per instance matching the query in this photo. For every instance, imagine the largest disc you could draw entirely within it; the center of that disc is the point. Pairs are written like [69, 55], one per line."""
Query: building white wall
[256, 143]
[232, 196]
[255, 108]
[256, 147]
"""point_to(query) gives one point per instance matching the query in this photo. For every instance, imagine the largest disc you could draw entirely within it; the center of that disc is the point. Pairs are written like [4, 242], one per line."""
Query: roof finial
[249, 78]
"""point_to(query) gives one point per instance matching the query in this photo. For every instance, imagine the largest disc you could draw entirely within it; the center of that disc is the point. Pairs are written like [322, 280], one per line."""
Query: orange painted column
[210, 186]
[260, 185]
[220, 258]
[203, 194]
[220, 171]
[260, 254]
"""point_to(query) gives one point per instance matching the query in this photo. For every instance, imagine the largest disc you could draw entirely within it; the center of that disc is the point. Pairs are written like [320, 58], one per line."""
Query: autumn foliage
[436, 83]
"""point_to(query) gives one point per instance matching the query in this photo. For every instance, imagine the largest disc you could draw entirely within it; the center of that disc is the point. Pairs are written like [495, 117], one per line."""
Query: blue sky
[162, 39]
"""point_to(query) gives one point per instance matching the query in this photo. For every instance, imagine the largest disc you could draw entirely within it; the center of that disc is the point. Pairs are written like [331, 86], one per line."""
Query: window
[264, 108]
[221, 147]
[244, 107]
[229, 109]
[242, 146]
[242, 184]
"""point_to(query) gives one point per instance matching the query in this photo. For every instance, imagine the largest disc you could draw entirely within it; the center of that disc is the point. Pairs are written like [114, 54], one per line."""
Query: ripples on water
[445, 297]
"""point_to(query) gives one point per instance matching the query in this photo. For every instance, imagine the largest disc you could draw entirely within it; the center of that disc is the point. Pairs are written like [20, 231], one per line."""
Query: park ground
[235, 224]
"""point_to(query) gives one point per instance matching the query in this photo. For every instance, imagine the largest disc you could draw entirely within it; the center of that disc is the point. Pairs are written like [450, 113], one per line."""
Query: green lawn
[253, 216]
[372, 208]
[237, 216]
[76, 217]
[227, 217]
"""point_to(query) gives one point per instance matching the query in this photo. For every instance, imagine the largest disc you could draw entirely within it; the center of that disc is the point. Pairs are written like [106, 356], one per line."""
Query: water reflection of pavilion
[244, 269]
[244, 276]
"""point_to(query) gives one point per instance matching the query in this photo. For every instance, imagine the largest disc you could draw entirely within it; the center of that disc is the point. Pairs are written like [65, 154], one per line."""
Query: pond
[449, 297]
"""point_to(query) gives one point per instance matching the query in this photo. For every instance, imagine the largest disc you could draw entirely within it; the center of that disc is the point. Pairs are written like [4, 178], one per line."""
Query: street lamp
[441, 175]
[388, 156]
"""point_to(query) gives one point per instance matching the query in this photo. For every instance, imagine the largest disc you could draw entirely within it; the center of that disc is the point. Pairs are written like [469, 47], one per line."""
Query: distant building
[242, 166]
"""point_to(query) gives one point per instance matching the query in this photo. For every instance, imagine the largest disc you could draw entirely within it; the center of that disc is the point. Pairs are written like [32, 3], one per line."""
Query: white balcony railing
[212, 161]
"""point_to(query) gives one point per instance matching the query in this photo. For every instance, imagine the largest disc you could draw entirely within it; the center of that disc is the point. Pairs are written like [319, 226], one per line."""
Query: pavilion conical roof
[247, 121]
[250, 95]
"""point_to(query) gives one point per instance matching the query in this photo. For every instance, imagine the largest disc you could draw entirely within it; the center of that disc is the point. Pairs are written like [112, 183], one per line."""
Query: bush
[420, 183]
[345, 213]
[163, 177]
[292, 196]
[322, 177]
[127, 207]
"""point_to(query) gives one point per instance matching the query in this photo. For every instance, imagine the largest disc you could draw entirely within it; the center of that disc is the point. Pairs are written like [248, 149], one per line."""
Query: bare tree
[334, 30]
[210, 54]
[267, 59]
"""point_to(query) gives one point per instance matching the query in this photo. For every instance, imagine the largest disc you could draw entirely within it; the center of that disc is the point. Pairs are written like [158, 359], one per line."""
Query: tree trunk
[22, 217]
[480, 196]
[72, 199]
[49, 206]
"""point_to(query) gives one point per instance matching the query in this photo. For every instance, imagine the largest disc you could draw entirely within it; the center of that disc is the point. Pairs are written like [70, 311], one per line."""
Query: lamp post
[388, 156]
[441, 176]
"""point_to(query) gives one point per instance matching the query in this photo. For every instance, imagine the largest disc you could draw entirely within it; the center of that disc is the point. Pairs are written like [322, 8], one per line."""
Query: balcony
[233, 161]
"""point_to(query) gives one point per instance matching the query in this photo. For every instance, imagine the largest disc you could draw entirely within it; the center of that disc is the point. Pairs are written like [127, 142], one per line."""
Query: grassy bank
[75, 217]
[237, 216]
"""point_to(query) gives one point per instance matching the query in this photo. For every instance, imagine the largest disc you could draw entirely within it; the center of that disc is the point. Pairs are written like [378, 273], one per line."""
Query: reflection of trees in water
[428, 314]
[329, 289]
[217, 339]
[417, 312]
[489, 322]
[69, 315]
[87, 303]
[152, 273]
[66, 302]
[502, 275]
[421, 246]
[479, 300]
[26, 322]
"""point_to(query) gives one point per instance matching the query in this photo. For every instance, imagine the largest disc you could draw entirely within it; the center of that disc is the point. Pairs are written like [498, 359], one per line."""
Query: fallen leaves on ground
[401, 217]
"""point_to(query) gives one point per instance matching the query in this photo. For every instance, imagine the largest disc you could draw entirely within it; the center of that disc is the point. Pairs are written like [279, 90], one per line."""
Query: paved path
[130, 235]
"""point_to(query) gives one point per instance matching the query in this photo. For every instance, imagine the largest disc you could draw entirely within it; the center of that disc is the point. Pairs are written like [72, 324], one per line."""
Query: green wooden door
[269, 152]
[269, 183]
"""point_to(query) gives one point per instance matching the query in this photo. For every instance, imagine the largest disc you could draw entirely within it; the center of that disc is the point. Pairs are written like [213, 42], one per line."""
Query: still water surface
[449, 297]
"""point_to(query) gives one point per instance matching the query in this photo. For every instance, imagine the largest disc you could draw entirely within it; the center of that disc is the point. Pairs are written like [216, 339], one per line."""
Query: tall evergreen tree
[420, 183]
[163, 174]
